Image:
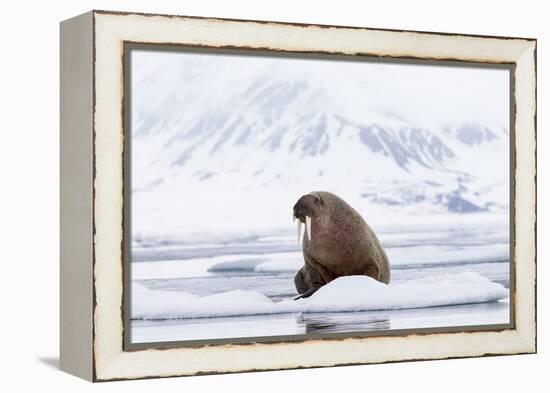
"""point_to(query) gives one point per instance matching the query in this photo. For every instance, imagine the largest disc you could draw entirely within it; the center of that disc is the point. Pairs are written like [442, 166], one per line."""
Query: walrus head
[308, 207]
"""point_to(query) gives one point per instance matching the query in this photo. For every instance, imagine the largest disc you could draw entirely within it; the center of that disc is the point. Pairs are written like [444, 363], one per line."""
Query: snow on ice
[345, 294]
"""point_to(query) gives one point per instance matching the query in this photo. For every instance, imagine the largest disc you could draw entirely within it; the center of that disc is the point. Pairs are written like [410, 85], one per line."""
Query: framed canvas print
[246, 195]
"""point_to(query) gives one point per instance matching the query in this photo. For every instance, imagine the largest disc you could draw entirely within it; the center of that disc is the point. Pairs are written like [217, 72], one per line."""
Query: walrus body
[338, 242]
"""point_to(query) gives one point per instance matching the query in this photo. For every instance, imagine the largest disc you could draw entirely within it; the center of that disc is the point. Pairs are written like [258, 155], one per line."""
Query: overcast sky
[435, 95]
[425, 95]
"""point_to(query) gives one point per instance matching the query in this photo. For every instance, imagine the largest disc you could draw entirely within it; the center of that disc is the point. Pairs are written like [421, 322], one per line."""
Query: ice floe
[345, 294]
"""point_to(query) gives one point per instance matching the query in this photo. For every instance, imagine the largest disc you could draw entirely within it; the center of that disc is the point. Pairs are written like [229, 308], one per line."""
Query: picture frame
[94, 271]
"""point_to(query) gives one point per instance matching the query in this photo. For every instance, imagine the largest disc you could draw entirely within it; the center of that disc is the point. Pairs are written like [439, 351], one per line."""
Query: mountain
[238, 142]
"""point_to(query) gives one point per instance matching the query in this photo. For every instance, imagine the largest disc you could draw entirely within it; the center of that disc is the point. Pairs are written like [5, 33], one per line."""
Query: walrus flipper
[307, 281]
[307, 293]
[372, 271]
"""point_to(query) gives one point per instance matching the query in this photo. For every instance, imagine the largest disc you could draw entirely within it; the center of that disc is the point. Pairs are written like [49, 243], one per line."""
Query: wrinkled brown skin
[342, 244]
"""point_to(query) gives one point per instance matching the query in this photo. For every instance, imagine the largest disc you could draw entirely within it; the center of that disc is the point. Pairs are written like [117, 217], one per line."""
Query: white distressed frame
[110, 31]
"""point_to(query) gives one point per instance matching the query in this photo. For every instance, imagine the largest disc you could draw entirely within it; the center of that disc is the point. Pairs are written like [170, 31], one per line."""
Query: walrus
[337, 242]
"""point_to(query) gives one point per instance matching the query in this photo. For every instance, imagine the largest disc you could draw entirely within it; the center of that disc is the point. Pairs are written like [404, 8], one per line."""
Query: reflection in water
[281, 325]
[343, 322]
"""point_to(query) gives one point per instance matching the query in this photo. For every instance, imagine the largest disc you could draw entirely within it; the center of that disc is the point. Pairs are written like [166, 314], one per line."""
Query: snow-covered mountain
[226, 142]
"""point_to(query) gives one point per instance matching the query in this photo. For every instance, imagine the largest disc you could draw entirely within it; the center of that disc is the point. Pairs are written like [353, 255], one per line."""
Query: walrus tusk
[299, 230]
[308, 227]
